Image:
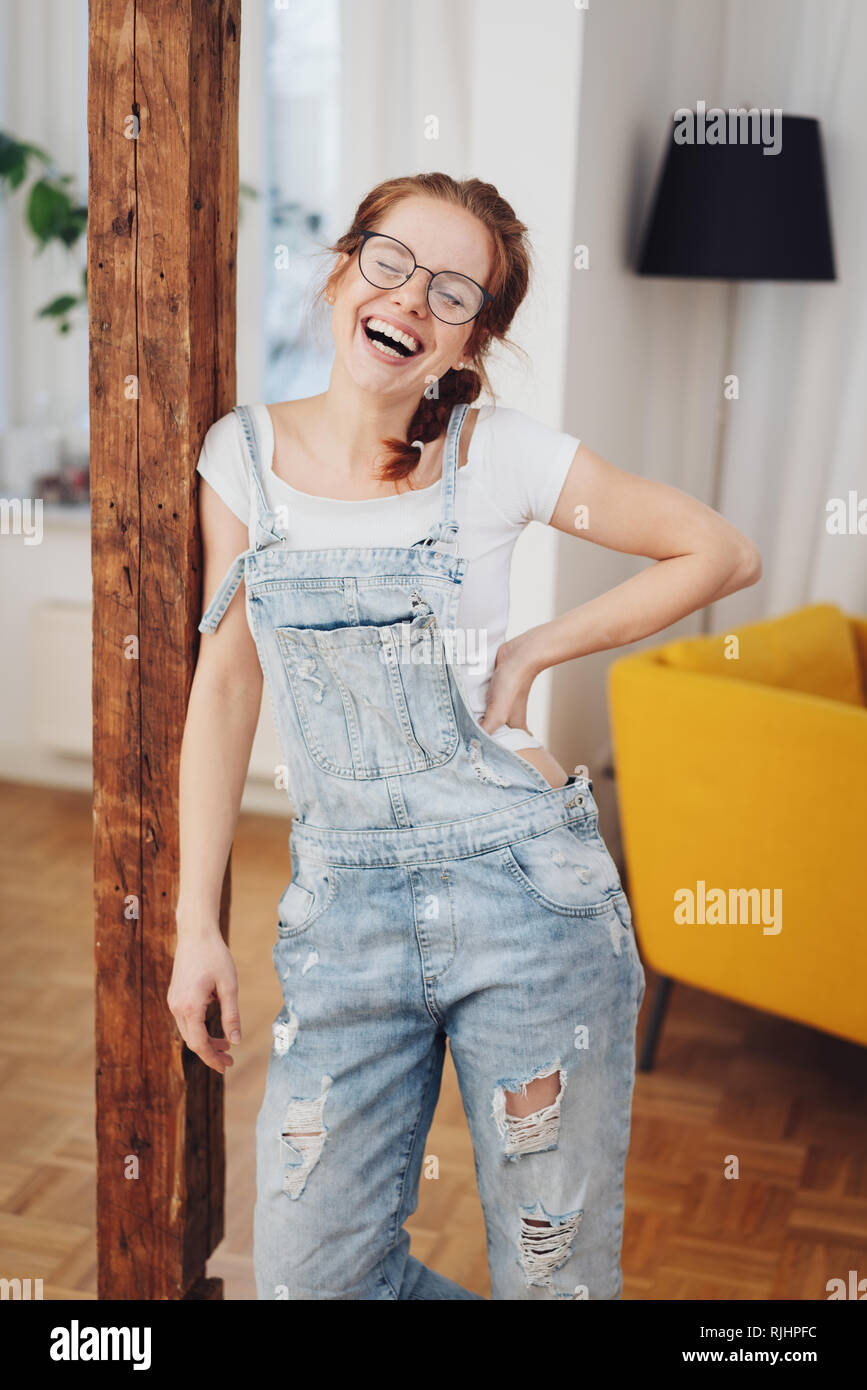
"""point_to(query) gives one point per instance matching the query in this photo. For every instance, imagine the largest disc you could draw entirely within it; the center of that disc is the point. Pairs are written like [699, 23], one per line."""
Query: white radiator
[60, 648]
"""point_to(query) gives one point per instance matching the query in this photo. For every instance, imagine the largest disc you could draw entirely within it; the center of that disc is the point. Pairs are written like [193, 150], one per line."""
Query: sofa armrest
[859, 633]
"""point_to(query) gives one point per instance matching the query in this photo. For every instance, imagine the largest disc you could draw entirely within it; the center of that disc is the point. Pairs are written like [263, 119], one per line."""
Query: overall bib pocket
[566, 870]
[372, 700]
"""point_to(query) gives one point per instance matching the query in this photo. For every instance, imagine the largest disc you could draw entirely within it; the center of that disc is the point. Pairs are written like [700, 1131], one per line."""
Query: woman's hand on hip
[515, 669]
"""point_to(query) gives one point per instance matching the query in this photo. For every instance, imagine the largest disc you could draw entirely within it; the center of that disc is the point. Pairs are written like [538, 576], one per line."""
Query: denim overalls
[440, 887]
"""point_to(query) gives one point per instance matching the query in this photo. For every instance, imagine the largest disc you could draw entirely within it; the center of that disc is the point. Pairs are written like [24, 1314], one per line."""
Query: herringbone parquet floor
[787, 1101]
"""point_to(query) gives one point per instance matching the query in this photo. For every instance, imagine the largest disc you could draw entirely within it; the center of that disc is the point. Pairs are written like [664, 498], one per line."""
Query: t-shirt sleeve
[525, 464]
[223, 465]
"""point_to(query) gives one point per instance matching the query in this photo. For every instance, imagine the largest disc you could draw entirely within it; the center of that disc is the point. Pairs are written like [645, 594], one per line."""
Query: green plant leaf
[13, 159]
[59, 306]
[52, 215]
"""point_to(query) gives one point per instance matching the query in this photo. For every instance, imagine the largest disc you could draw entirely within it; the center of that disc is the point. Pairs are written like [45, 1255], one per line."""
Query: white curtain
[402, 63]
[43, 101]
[798, 435]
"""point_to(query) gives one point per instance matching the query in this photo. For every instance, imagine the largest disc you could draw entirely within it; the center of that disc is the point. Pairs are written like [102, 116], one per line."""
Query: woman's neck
[310, 443]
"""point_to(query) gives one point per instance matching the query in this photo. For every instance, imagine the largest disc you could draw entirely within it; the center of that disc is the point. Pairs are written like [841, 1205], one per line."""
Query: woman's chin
[379, 379]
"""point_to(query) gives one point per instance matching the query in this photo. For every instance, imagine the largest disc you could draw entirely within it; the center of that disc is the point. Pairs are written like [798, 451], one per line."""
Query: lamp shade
[730, 211]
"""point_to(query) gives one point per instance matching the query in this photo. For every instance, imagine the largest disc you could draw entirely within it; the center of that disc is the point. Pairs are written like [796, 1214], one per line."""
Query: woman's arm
[222, 714]
[700, 557]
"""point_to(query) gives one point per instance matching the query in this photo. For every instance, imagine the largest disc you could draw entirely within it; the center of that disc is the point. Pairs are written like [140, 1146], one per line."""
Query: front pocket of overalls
[566, 871]
[372, 701]
[624, 912]
[301, 903]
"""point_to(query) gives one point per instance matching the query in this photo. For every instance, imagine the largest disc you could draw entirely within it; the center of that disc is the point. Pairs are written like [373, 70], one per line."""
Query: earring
[460, 366]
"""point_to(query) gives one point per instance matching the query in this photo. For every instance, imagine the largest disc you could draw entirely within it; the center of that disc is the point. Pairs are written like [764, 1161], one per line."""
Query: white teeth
[387, 351]
[391, 332]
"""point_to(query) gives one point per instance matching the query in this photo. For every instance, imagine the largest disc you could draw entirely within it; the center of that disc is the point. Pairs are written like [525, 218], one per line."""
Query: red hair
[508, 282]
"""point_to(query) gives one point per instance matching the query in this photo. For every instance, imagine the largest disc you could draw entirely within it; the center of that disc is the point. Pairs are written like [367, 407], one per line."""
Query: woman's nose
[413, 292]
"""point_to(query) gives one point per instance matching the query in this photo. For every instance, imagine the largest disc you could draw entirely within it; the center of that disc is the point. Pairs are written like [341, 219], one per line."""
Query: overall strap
[445, 530]
[267, 530]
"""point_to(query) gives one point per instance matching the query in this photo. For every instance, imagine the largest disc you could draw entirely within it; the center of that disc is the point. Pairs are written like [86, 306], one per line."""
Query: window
[302, 125]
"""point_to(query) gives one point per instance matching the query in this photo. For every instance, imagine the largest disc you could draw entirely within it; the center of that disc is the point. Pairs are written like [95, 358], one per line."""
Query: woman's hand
[514, 671]
[518, 663]
[204, 970]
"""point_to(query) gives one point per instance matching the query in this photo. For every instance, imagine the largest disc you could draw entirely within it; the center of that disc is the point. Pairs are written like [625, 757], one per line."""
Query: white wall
[645, 360]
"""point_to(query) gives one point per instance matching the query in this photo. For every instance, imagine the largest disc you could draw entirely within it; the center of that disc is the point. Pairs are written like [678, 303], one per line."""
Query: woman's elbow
[745, 565]
[736, 563]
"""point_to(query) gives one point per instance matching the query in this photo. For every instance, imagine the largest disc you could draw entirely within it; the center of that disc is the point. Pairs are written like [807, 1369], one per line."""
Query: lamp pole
[722, 419]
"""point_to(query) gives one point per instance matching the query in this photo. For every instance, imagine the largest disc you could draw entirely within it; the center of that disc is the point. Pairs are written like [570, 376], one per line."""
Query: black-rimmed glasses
[386, 263]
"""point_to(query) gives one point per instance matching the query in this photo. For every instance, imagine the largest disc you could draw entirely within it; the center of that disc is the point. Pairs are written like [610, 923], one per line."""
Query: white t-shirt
[515, 470]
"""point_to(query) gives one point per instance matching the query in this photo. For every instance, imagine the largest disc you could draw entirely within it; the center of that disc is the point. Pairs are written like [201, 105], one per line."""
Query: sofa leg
[658, 1007]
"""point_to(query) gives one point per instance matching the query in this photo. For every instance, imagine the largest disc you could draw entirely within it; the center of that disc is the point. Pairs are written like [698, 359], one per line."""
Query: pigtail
[430, 420]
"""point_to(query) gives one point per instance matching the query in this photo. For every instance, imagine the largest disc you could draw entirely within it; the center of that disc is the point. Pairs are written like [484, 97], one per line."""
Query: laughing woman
[448, 877]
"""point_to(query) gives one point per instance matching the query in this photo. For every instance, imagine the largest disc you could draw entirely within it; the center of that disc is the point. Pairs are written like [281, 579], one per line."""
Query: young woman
[448, 878]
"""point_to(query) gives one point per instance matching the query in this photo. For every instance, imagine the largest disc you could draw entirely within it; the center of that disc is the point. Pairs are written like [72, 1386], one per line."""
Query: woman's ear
[342, 258]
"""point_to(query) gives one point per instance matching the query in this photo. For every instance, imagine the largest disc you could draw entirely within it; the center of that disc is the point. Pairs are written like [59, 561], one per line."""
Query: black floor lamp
[729, 211]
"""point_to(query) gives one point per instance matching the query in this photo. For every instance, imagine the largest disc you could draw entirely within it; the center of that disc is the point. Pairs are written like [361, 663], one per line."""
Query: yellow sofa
[741, 763]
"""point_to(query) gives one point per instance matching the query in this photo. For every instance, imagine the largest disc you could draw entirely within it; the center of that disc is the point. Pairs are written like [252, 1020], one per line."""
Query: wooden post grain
[162, 217]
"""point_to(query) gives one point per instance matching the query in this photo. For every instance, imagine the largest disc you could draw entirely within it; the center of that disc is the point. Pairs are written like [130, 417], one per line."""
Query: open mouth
[390, 341]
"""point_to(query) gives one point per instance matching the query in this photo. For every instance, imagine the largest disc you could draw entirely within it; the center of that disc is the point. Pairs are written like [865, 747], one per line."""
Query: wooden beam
[162, 218]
